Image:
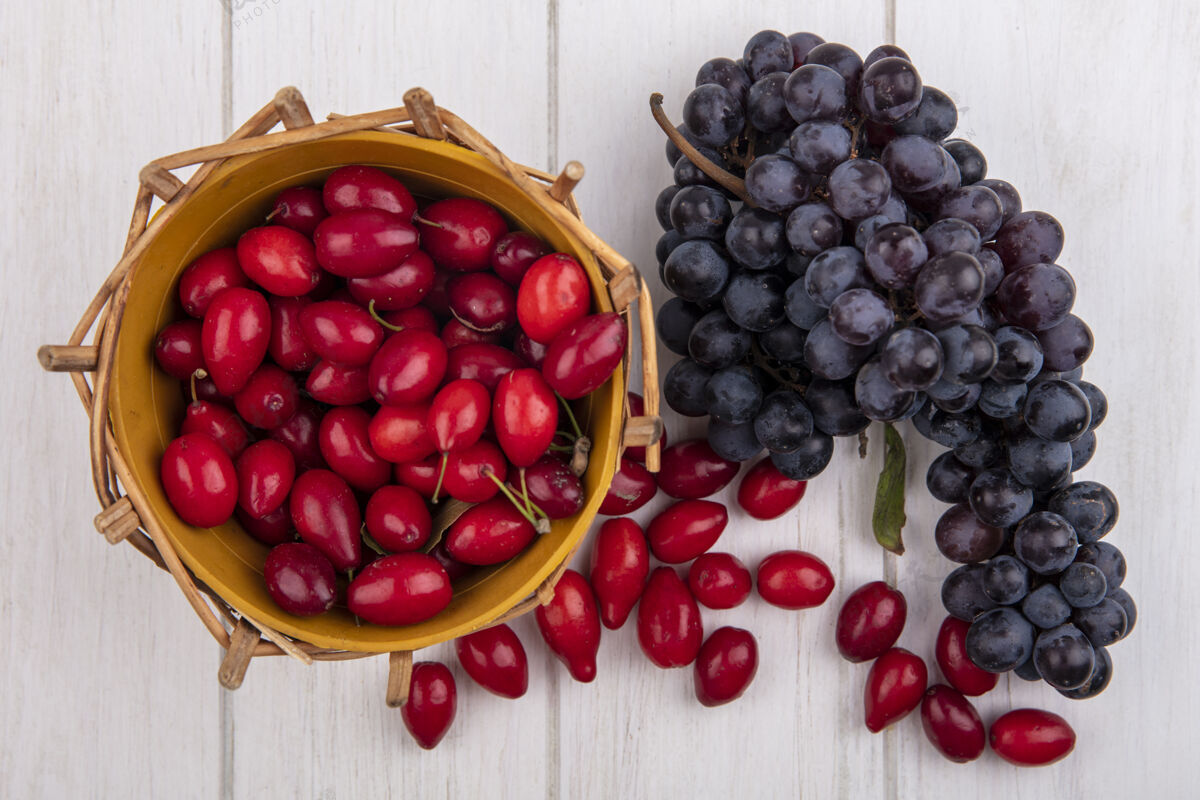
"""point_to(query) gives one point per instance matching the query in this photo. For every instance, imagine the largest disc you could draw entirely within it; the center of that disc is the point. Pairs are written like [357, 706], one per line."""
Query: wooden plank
[107, 680]
[798, 730]
[486, 65]
[491, 68]
[1110, 152]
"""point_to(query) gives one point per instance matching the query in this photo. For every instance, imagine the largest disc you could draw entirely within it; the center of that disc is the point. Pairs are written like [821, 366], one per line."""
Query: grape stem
[725, 179]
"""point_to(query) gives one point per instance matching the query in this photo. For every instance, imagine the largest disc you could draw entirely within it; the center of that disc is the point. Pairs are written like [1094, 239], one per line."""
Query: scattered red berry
[766, 493]
[894, 687]
[794, 579]
[725, 666]
[432, 701]
[1029, 737]
[719, 580]
[870, 621]
[952, 724]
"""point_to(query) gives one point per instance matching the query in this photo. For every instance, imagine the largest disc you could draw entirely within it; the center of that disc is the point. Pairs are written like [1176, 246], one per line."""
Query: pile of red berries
[352, 362]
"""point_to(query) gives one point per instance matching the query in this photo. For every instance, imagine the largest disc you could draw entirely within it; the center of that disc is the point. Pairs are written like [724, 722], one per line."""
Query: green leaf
[888, 517]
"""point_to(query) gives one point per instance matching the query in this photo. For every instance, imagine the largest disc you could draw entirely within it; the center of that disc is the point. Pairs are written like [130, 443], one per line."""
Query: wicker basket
[134, 409]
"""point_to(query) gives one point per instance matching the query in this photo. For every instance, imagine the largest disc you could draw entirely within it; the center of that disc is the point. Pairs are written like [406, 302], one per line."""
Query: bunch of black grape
[873, 272]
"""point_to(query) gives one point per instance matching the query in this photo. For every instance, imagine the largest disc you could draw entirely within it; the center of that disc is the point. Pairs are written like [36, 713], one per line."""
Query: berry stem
[525, 491]
[430, 223]
[570, 415]
[725, 179]
[441, 476]
[541, 525]
[375, 316]
[198, 375]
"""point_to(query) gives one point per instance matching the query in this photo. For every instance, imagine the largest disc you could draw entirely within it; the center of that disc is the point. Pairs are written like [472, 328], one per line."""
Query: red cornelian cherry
[432, 702]
[460, 232]
[326, 516]
[364, 242]
[416, 318]
[346, 447]
[398, 519]
[1029, 737]
[287, 346]
[495, 659]
[458, 414]
[952, 724]
[531, 352]
[554, 294]
[686, 529]
[271, 529]
[637, 407]
[400, 287]
[217, 423]
[950, 652]
[692, 470]
[895, 686]
[299, 208]
[632, 487]
[486, 363]
[570, 625]
[513, 254]
[300, 435]
[454, 334]
[719, 580]
[482, 302]
[269, 398]
[338, 385]
[265, 472]
[766, 493]
[669, 628]
[421, 475]
[870, 622]
[582, 358]
[489, 533]
[524, 416]
[407, 369]
[725, 666]
[619, 565]
[794, 579]
[199, 479]
[234, 337]
[279, 259]
[300, 579]
[177, 349]
[400, 433]
[467, 472]
[553, 487]
[400, 589]
[206, 277]
[359, 186]
[341, 332]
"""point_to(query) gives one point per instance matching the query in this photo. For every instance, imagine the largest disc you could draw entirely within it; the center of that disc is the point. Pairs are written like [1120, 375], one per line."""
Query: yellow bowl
[147, 405]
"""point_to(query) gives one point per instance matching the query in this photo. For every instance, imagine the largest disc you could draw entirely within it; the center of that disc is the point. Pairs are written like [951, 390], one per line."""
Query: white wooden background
[108, 683]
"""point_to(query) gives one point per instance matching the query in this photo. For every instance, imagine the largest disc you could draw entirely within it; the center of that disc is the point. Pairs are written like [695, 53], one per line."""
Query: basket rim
[120, 405]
